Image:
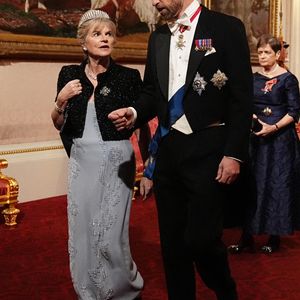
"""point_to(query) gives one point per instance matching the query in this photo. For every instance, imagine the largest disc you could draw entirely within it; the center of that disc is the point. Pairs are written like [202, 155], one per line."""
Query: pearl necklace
[90, 74]
[270, 72]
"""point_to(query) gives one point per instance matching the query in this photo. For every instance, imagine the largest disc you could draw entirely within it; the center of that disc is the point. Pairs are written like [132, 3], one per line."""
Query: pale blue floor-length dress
[99, 202]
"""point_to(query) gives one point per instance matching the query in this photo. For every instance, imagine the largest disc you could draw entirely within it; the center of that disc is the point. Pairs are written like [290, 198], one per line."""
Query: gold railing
[28, 150]
[9, 191]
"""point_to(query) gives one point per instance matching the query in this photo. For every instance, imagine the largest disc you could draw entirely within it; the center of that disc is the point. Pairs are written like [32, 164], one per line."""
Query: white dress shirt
[179, 58]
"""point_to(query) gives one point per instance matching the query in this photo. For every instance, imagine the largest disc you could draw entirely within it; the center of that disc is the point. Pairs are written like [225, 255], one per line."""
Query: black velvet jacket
[118, 87]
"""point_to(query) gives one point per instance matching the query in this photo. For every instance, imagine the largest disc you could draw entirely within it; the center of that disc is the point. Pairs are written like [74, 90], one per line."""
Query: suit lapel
[162, 48]
[202, 32]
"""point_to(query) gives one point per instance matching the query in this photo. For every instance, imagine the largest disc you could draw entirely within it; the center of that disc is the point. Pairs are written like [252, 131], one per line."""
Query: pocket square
[210, 51]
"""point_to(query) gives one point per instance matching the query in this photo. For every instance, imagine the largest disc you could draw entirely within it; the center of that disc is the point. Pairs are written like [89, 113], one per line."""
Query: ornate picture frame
[52, 35]
[37, 47]
[259, 17]
[16, 46]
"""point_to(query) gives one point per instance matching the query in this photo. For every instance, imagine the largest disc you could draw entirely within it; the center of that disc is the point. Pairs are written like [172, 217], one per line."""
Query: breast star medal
[219, 79]
[199, 84]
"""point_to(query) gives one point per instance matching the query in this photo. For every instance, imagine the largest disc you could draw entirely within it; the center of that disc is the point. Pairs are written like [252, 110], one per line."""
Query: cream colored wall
[26, 95]
[293, 29]
[291, 33]
[40, 174]
[26, 99]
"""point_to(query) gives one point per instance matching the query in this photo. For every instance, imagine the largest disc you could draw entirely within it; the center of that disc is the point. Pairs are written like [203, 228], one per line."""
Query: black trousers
[190, 213]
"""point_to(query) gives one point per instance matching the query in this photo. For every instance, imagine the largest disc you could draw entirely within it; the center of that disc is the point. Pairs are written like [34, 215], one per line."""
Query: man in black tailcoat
[198, 81]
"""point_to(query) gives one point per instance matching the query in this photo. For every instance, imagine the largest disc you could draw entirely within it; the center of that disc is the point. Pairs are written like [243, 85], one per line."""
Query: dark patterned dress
[276, 158]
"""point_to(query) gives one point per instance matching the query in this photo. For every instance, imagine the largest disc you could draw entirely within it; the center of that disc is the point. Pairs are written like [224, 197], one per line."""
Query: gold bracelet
[58, 109]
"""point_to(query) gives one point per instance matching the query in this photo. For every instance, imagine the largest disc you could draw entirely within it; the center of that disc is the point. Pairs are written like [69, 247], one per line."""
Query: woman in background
[274, 151]
[101, 166]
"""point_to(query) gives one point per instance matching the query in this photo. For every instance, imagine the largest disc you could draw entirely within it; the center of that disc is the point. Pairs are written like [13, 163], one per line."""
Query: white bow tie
[185, 22]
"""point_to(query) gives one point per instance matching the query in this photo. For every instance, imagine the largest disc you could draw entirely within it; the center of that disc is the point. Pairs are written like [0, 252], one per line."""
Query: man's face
[169, 9]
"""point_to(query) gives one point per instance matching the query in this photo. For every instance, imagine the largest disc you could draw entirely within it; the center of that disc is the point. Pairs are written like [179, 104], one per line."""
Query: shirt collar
[185, 17]
[189, 11]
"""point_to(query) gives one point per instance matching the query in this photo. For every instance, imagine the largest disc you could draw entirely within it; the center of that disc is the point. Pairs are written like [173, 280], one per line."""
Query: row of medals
[206, 45]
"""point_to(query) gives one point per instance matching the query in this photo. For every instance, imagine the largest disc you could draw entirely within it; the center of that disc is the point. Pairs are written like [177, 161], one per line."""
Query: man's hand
[122, 118]
[145, 187]
[228, 171]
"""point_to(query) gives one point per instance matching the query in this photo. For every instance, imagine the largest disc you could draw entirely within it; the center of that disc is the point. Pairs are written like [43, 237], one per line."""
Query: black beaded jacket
[118, 87]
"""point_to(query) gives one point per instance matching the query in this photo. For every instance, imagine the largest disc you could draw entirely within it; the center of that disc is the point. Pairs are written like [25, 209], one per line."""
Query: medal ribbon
[183, 28]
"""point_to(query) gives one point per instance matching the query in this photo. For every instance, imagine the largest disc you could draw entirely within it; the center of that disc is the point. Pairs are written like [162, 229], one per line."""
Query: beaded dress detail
[99, 202]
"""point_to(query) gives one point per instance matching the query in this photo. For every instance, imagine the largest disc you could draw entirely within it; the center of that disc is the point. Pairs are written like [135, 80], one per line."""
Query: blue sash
[175, 107]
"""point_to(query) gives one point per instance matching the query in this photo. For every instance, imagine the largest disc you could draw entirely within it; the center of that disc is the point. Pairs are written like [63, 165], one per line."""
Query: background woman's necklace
[271, 71]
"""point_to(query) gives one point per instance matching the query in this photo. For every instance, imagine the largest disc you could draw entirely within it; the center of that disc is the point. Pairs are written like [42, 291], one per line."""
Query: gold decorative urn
[9, 191]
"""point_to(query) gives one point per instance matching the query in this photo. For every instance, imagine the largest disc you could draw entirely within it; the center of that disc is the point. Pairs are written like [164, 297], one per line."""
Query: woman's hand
[266, 130]
[71, 89]
[270, 129]
[145, 187]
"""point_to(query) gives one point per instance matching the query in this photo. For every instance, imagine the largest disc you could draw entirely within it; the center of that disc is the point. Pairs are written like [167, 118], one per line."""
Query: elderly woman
[274, 151]
[101, 166]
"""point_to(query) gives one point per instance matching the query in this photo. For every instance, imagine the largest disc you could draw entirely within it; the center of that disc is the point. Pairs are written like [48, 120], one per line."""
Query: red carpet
[34, 259]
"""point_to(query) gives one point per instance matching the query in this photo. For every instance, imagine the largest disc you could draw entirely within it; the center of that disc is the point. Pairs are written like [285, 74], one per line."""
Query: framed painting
[46, 29]
[258, 16]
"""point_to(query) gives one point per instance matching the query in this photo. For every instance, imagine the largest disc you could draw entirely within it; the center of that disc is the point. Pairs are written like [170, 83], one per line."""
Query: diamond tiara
[93, 14]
